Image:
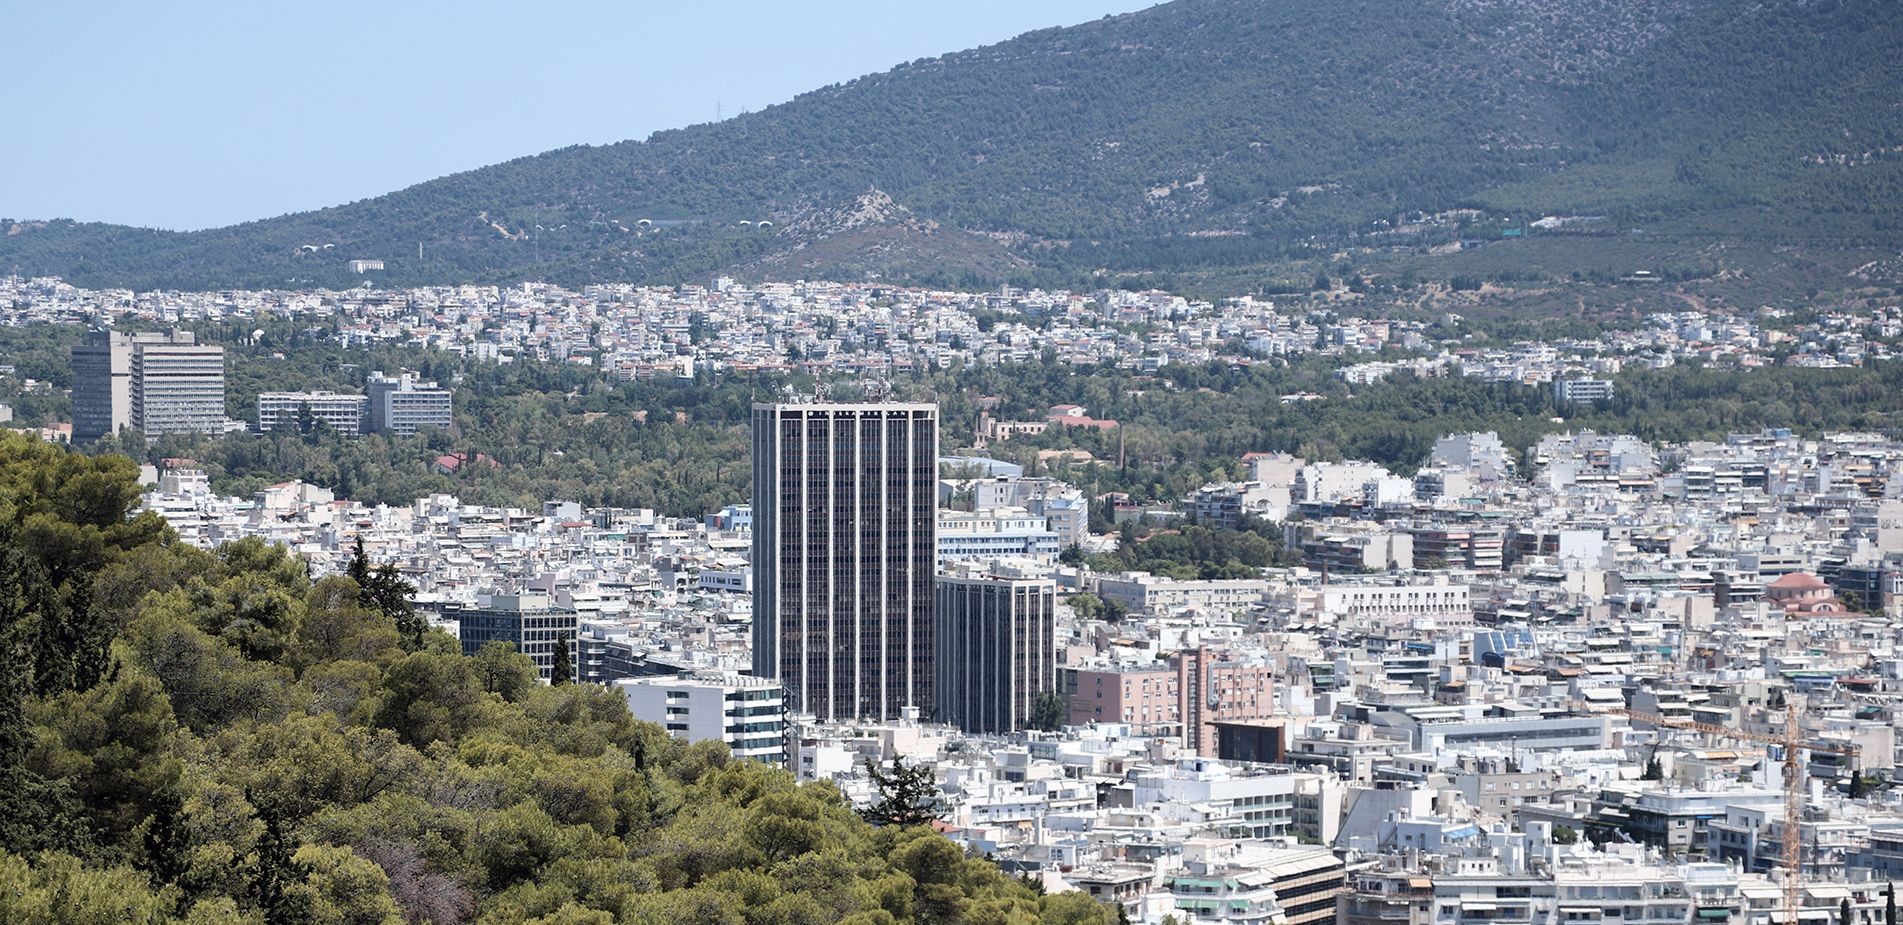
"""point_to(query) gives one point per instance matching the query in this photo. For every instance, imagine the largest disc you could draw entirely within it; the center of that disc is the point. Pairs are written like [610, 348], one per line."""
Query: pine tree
[385, 589]
[35, 813]
[562, 670]
[1654, 770]
[1047, 711]
[16, 735]
[392, 595]
[907, 796]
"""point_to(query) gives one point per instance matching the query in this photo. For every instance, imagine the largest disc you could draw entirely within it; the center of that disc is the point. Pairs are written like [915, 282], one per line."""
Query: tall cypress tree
[35, 813]
[15, 735]
[275, 870]
[360, 571]
[168, 840]
[563, 670]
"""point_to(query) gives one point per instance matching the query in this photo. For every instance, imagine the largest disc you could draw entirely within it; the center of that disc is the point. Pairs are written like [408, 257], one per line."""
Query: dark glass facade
[844, 550]
[996, 651]
[527, 622]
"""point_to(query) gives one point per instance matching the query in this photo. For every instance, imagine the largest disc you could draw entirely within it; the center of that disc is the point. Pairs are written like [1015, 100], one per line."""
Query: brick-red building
[1186, 692]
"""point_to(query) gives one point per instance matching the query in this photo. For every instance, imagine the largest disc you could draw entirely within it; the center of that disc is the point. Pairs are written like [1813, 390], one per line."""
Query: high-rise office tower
[178, 384]
[997, 638]
[102, 385]
[159, 382]
[845, 521]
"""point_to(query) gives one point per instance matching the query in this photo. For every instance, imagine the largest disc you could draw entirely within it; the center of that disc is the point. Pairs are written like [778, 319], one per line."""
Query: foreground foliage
[213, 738]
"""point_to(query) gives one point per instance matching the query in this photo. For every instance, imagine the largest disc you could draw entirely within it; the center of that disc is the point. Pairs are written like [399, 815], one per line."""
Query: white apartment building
[1142, 591]
[401, 404]
[1581, 390]
[1399, 604]
[747, 713]
[995, 534]
[1253, 804]
[1334, 481]
[347, 414]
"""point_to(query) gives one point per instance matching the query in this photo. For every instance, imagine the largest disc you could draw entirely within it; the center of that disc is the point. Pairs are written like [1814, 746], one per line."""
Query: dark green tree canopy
[264, 748]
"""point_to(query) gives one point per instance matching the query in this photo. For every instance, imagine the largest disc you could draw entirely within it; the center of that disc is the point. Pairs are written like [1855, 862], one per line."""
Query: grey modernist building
[401, 404]
[162, 382]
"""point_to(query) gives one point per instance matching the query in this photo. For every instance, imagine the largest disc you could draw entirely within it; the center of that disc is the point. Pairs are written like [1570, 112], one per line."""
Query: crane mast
[1793, 791]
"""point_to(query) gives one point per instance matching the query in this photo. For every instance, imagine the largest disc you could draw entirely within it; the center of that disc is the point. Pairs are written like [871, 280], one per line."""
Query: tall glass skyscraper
[844, 552]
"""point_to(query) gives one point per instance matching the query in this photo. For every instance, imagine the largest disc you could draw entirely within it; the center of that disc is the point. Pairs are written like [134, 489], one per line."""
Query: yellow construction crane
[1793, 792]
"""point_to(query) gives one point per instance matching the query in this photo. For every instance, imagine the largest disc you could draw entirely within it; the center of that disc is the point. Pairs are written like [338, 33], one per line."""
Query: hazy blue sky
[199, 114]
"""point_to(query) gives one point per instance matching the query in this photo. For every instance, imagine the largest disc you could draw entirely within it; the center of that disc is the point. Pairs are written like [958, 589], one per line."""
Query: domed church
[1801, 593]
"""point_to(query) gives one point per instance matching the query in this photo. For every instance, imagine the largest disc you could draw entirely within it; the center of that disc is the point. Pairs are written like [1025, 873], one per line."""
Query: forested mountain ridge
[1266, 120]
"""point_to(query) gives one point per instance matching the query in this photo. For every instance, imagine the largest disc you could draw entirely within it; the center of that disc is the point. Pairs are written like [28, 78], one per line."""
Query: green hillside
[195, 738]
[1197, 133]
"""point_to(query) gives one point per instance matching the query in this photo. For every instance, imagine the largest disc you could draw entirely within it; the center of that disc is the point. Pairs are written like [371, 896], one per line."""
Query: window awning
[1714, 913]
